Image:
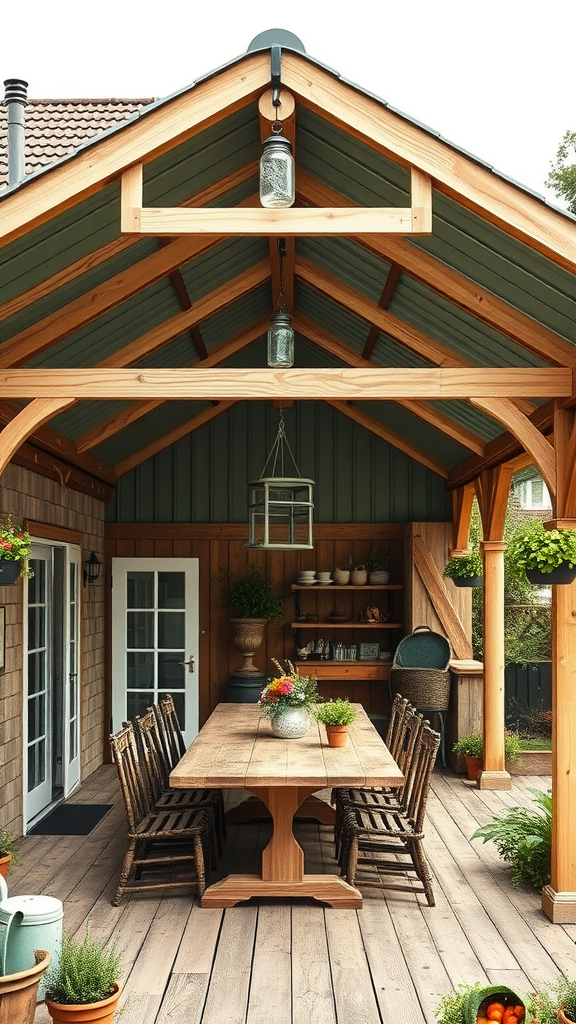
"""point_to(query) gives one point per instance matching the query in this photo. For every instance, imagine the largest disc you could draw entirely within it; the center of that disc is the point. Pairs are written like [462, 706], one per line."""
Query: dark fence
[528, 691]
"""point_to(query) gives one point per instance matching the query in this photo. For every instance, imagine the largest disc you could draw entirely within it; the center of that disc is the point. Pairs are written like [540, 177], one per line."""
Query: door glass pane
[179, 704]
[37, 582]
[36, 717]
[140, 630]
[171, 670]
[36, 764]
[171, 590]
[139, 670]
[36, 628]
[36, 672]
[137, 701]
[140, 590]
[171, 629]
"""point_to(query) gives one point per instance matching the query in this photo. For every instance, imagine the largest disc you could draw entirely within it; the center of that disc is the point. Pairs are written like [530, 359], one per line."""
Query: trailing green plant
[336, 711]
[8, 844]
[251, 594]
[86, 972]
[464, 566]
[533, 547]
[543, 1004]
[15, 543]
[473, 746]
[378, 560]
[523, 838]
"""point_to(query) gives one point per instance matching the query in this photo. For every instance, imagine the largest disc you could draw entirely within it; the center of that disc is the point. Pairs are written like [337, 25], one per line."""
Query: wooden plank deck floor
[296, 962]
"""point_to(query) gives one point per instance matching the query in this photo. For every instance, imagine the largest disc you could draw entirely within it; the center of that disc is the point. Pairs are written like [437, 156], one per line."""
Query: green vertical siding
[204, 476]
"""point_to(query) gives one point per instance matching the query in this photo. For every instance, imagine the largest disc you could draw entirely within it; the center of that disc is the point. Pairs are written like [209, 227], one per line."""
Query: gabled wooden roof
[491, 287]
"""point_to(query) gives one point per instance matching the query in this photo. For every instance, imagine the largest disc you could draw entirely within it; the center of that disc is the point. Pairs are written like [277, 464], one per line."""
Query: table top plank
[236, 749]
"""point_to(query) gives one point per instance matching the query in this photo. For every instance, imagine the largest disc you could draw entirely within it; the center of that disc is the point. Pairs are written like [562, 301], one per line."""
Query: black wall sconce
[92, 568]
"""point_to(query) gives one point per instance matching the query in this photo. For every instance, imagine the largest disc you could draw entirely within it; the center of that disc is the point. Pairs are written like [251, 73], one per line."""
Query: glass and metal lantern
[280, 340]
[277, 179]
[280, 507]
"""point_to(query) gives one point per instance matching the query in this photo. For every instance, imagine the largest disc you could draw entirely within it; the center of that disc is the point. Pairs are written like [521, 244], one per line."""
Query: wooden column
[493, 774]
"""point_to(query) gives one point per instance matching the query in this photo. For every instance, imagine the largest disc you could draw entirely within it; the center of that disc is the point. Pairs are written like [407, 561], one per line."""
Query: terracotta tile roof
[54, 128]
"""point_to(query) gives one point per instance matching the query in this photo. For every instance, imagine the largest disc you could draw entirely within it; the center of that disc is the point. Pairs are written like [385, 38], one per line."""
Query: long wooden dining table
[236, 749]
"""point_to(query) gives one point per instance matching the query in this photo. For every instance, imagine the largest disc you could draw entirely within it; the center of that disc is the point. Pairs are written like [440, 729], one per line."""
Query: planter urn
[248, 636]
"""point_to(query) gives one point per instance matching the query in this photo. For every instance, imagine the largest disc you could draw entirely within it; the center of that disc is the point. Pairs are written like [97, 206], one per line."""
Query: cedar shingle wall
[41, 500]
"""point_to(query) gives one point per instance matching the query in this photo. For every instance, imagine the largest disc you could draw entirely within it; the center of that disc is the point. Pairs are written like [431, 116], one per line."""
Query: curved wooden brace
[38, 412]
[462, 499]
[542, 452]
[492, 490]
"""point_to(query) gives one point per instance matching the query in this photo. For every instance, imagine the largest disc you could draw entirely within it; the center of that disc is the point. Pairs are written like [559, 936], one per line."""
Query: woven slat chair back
[146, 728]
[420, 775]
[164, 747]
[133, 785]
[399, 705]
[174, 739]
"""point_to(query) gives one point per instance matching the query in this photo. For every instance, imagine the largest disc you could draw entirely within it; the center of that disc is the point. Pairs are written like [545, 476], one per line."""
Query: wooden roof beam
[25, 423]
[479, 384]
[497, 201]
[440, 278]
[161, 443]
[377, 428]
[394, 275]
[146, 137]
[185, 302]
[59, 445]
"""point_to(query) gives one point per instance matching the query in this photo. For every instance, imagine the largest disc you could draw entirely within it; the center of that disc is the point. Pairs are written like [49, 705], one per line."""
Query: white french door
[155, 637]
[52, 677]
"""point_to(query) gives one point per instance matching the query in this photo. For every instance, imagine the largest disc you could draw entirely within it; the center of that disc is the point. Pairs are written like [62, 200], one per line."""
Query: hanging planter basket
[9, 572]
[562, 575]
[468, 581]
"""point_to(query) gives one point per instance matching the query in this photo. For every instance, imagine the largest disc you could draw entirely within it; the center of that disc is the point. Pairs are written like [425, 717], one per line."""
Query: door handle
[189, 663]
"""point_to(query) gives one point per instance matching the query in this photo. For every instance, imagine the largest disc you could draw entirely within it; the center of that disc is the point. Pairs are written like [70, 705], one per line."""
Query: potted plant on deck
[336, 714]
[84, 985]
[472, 749]
[15, 545]
[8, 851]
[465, 570]
[251, 597]
[546, 556]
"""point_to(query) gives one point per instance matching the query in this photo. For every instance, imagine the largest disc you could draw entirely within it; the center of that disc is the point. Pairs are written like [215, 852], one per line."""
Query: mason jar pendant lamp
[280, 507]
[277, 185]
[280, 334]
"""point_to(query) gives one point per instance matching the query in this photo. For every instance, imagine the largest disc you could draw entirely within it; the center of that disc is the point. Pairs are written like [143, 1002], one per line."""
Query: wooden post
[493, 774]
[559, 898]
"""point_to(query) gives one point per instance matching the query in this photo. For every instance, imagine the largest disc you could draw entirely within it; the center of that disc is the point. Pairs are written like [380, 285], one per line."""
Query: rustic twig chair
[163, 797]
[389, 839]
[151, 833]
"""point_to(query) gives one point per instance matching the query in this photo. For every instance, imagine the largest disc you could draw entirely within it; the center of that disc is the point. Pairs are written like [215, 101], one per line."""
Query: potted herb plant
[15, 545]
[472, 749]
[546, 556]
[554, 1002]
[84, 985]
[378, 565]
[336, 714]
[252, 597]
[465, 570]
[8, 851]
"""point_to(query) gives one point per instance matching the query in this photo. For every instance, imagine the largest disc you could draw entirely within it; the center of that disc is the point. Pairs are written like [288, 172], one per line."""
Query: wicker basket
[341, 576]
[420, 669]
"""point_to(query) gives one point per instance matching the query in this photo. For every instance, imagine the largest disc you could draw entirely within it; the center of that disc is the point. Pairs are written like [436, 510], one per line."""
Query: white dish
[307, 583]
[325, 582]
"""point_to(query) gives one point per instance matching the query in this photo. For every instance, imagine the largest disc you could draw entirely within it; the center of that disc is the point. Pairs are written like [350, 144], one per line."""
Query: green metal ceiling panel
[204, 476]
[470, 418]
[417, 432]
[335, 319]
[85, 416]
[144, 431]
[347, 261]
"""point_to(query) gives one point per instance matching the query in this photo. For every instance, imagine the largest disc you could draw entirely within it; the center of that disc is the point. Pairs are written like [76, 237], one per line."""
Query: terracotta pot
[18, 992]
[5, 864]
[563, 1019]
[473, 766]
[71, 1013]
[248, 636]
[337, 735]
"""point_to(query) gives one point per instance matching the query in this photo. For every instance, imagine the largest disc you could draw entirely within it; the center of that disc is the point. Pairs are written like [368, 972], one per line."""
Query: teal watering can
[28, 923]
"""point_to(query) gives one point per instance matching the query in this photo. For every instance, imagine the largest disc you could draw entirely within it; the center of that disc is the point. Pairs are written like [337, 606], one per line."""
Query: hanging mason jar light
[280, 507]
[280, 332]
[277, 179]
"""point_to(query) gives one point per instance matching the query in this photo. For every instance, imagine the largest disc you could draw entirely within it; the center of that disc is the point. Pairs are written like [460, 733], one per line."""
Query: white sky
[496, 77]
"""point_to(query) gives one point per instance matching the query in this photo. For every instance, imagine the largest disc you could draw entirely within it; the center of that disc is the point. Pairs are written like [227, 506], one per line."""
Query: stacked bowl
[306, 577]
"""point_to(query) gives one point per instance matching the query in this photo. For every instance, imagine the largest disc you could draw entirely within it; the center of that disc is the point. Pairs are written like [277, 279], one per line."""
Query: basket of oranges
[494, 1005]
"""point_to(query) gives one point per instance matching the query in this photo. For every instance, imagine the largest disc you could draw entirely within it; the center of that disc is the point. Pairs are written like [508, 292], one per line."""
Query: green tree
[562, 177]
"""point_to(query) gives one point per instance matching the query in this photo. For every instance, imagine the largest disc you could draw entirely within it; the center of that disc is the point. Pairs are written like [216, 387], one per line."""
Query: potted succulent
[472, 749]
[251, 596]
[15, 545]
[8, 851]
[546, 556]
[84, 985]
[336, 714]
[378, 565]
[465, 570]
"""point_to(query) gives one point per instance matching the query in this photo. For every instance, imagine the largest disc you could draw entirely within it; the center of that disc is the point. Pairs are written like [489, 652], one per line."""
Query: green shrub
[251, 594]
[533, 547]
[473, 746]
[86, 973]
[464, 566]
[523, 838]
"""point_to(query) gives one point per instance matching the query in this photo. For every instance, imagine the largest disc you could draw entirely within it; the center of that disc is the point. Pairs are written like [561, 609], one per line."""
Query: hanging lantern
[280, 507]
[277, 179]
[280, 340]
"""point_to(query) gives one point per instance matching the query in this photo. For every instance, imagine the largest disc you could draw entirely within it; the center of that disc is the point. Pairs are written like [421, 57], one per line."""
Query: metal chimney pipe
[15, 98]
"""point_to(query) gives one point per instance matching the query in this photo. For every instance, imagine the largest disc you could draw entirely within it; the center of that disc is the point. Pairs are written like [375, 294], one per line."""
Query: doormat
[71, 820]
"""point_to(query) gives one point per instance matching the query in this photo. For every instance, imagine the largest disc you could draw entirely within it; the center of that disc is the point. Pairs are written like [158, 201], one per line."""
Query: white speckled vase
[290, 723]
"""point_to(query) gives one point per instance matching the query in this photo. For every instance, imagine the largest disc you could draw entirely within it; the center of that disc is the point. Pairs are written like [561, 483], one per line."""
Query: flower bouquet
[288, 700]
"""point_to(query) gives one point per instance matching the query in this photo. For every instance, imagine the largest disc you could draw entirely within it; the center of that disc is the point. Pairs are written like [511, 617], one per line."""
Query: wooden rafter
[268, 114]
[394, 275]
[185, 302]
[377, 428]
[462, 500]
[497, 201]
[25, 423]
[460, 290]
[346, 384]
[565, 451]
[147, 137]
[321, 337]
[59, 445]
[161, 443]
[136, 410]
